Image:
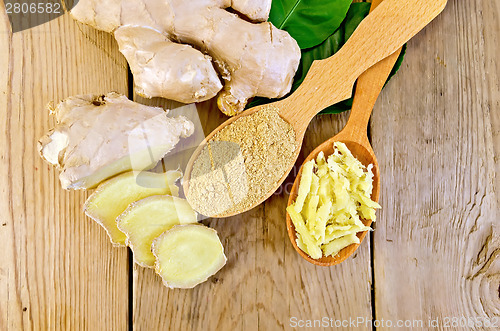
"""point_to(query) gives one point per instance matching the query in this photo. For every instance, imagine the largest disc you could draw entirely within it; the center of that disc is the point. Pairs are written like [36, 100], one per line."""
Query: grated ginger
[334, 196]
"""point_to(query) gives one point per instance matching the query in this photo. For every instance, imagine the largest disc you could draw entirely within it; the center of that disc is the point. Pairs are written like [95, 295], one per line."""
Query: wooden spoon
[354, 135]
[329, 81]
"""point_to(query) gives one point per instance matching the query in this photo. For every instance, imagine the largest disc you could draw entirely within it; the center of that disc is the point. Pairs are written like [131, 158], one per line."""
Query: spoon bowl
[198, 150]
[364, 153]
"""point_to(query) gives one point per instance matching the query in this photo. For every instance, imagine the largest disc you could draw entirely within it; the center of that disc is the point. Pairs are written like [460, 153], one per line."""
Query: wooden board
[265, 283]
[436, 131]
[57, 269]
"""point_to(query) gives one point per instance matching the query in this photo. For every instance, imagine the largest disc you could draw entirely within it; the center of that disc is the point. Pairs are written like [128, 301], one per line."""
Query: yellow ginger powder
[242, 163]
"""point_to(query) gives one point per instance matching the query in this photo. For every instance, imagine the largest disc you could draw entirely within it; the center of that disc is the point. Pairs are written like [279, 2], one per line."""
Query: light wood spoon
[354, 135]
[329, 81]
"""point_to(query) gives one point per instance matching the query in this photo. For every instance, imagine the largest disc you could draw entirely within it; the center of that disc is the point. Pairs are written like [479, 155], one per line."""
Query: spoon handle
[379, 35]
[368, 87]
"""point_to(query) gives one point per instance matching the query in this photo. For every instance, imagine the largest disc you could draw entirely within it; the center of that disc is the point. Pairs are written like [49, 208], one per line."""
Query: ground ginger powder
[242, 163]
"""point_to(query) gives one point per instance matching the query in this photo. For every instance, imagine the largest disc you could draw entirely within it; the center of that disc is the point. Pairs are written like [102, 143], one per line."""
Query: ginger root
[97, 137]
[253, 58]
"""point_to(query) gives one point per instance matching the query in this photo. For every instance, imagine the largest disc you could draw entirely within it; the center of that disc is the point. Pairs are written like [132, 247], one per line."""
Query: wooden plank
[436, 131]
[265, 282]
[58, 270]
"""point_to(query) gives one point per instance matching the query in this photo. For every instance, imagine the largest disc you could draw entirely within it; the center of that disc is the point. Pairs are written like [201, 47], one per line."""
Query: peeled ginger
[334, 196]
[146, 219]
[113, 196]
[188, 255]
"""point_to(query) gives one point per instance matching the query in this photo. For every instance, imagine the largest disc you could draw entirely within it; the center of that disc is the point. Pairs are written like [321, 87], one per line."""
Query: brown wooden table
[435, 253]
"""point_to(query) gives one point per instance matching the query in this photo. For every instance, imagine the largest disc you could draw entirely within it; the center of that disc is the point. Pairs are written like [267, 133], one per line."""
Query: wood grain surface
[436, 132]
[265, 282]
[58, 269]
[435, 252]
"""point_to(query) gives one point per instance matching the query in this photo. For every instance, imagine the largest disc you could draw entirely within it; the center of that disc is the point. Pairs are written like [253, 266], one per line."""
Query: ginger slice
[146, 219]
[113, 196]
[187, 255]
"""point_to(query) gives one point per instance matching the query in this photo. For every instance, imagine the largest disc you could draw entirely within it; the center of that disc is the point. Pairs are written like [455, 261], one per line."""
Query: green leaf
[398, 63]
[309, 22]
[357, 12]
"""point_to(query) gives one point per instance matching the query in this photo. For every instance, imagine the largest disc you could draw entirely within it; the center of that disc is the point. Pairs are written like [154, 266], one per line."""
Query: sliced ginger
[113, 196]
[187, 255]
[146, 219]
